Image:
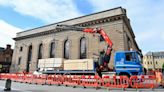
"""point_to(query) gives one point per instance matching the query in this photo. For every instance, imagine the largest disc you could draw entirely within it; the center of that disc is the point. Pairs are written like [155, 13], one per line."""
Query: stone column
[24, 58]
[35, 48]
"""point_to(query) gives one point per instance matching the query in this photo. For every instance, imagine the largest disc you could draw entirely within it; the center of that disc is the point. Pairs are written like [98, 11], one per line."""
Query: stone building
[5, 58]
[153, 60]
[48, 42]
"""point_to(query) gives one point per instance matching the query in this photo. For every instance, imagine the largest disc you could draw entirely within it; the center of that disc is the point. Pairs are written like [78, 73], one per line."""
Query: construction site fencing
[143, 81]
[90, 81]
[115, 81]
[54, 79]
[29, 78]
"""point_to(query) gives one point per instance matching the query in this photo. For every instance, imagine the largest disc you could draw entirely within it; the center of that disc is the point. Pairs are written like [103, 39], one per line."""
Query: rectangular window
[21, 48]
[130, 57]
[19, 60]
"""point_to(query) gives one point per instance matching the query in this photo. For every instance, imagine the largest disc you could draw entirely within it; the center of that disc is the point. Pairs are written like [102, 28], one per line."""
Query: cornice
[84, 24]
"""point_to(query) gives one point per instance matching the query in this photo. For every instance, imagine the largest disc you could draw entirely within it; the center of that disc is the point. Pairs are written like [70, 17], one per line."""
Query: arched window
[83, 48]
[29, 53]
[52, 50]
[29, 58]
[66, 49]
[40, 52]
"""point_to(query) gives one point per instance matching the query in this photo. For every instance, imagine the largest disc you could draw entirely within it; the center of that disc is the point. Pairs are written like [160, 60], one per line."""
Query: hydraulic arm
[100, 31]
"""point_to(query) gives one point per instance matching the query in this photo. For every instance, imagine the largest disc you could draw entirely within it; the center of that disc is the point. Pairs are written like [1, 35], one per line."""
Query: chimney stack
[8, 46]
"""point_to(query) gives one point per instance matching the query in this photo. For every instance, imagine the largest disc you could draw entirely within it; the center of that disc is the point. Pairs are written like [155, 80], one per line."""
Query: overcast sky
[147, 17]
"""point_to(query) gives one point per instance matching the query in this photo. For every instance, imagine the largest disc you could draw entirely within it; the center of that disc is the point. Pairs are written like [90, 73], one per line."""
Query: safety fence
[142, 81]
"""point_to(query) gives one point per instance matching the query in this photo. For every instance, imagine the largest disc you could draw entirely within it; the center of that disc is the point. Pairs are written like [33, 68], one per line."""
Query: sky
[147, 17]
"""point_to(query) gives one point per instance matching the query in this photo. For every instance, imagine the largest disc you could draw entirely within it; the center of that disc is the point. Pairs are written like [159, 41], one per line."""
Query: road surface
[23, 87]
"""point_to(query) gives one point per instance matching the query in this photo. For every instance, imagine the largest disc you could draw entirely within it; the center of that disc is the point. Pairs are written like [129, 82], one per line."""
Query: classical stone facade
[37, 43]
[153, 60]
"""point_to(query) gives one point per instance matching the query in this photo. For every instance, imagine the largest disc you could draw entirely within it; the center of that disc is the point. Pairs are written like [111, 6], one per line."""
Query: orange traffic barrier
[115, 81]
[3, 76]
[29, 78]
[71, 80]
[20, 77]
[143, 81]
[57, 79]
[49, 79]
[90, 81]
[54, 80]
[40, 79]
[13, 77]
[158, 77]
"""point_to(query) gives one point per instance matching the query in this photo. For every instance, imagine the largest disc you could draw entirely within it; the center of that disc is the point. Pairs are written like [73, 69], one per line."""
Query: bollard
[8, 85]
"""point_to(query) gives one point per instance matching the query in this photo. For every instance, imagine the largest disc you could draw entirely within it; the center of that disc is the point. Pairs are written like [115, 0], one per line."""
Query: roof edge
[72, 19]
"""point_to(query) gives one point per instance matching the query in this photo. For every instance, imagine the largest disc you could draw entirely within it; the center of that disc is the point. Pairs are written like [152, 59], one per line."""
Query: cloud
[146, 19]
[49, 11]
[145, 15]
[7, 32]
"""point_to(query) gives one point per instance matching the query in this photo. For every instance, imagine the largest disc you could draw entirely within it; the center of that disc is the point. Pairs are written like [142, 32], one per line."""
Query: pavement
[23, 87]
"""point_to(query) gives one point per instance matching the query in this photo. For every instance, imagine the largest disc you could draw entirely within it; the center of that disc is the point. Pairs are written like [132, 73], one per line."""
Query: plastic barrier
[143, 81]
[71, 80]
[40, 79]
[57, 79]
[54, 80]
[20, 77]
[49, 79]
[13, 77]
[159, 78]
[29, 78]
[90, 81]
[3, 76]
[115, 81]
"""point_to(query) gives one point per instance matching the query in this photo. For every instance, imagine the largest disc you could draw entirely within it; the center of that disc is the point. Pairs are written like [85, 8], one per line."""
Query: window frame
[83, 42]
[40, 51]
[67, 48]
[52, 50]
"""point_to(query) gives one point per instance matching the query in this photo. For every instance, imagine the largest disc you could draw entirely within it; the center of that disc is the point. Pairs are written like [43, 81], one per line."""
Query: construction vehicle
[125, 62]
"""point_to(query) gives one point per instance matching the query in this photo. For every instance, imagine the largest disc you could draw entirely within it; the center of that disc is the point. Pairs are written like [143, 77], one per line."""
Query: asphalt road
[22, 87]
